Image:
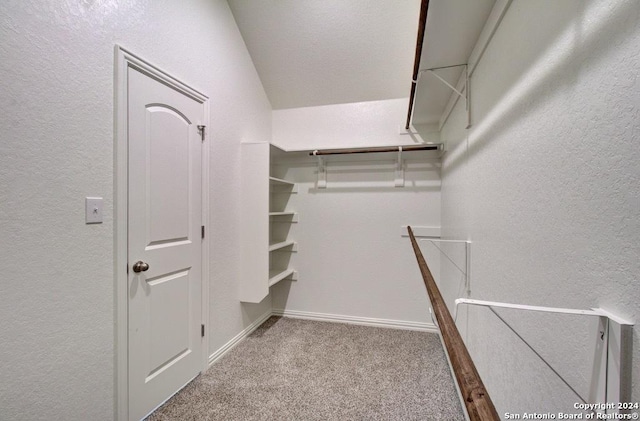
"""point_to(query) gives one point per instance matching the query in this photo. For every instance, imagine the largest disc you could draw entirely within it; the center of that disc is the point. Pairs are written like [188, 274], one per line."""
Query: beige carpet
[291, 369]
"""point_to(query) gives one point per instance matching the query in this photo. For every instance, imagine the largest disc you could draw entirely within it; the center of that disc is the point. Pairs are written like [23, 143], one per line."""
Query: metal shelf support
[612, 379]
[465, 95]
[399, 181]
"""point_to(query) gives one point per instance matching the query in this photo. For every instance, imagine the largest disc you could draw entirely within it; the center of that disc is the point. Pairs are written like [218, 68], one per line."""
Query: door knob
[140, 266]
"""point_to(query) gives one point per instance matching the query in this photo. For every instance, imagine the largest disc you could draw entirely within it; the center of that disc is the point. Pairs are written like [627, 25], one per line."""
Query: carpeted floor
[291, 369]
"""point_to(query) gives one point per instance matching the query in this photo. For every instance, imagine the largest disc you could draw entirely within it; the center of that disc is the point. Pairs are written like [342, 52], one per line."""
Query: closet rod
[476, 398]
[409, 148]
[422, 23]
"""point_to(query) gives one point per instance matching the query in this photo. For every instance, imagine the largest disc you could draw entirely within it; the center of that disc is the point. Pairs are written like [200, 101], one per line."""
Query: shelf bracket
[322, 172]
[399, 181]
[611, 378]
[467, 84]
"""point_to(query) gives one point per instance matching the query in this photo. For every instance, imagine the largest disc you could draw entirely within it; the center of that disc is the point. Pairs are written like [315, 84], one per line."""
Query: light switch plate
[93, 210]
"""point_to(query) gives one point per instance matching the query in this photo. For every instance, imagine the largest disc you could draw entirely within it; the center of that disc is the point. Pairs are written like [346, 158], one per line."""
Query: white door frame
[123, 60]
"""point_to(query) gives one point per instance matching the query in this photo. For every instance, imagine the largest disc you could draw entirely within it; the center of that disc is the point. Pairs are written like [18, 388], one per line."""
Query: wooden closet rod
[422, 23]
[476, 398]
[409, 148]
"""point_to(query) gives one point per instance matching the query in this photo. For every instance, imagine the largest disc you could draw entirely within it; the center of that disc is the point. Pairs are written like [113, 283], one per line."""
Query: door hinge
[202, 231]
[201, 129]
[202, 330]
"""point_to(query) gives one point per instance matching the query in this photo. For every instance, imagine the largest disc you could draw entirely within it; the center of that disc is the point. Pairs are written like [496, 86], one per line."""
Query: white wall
[351, 259]
[358, 124]
[546, 184]
[57, 289]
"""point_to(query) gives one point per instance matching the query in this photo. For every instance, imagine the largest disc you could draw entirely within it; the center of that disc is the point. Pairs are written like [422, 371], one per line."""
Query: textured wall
[547, 186]
[351, 259]
[56, 79]
[358, 124]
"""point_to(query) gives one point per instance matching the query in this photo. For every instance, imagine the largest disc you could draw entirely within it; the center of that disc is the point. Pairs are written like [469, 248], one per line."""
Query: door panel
[169, 329]
[168, 177]
[165, 209]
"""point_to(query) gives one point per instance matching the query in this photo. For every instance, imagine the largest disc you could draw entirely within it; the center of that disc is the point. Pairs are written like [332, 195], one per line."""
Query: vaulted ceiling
[452, 29]
[321, 52]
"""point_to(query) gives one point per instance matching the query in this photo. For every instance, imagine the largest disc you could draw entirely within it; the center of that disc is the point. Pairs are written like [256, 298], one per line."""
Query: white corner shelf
[281, 213]
[264, 231]
[279, 241]
[293, 215]
[278, 185]
[276, 276]
[282, 244]
[280, 181]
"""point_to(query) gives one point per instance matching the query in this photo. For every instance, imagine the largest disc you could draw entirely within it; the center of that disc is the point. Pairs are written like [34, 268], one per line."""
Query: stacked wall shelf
[266, 232]
[280, 246]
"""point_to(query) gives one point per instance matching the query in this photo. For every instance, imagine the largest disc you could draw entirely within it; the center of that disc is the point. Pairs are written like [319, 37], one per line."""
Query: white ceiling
[452, 29]
[322, 52]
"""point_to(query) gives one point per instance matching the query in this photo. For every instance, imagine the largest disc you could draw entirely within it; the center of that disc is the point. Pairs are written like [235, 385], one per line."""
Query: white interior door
[164, 241]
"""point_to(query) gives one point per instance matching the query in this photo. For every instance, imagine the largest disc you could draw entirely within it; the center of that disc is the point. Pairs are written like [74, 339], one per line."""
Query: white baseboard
[363, 321]
[238, 338]
[323, 317]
